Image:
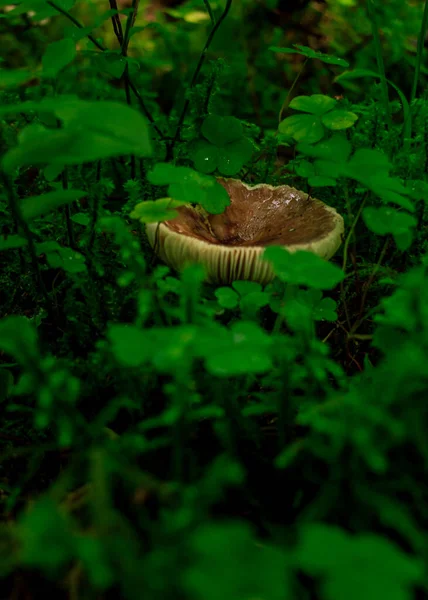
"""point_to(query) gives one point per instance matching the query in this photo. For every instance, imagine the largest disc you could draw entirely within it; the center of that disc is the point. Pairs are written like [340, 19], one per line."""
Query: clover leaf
[186, 185]
[224, 148]
[310, 127]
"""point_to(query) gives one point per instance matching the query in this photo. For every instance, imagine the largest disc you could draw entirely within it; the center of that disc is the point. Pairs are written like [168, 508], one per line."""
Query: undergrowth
[167, 438]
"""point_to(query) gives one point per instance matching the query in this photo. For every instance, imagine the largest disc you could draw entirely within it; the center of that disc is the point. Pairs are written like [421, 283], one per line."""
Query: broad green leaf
[166, 173]
[205, 156]
[226, 297]
[229, 159]
[112, 63]
[303, 268]
[388, 220]
[363, 566]
[11, 242]
[305, 169]
[117, 121]
[366, 162]
[317, 104]
[249, 571]
[321, 181]
[93, 130]
[339, 119]
[18, 338]
[244, 349]
[216, 199]
[81, 219]
[309, 53]
[45, 525]
[156, 210]
[221, 130]
[57, 56]
[35, 206]
[337, 148]
[130, 345]
[12, 78]
[234, 156]
[390, 189]
[303, 128]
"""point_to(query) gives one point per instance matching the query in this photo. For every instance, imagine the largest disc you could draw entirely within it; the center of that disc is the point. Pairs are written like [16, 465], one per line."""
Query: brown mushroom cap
[230, 245]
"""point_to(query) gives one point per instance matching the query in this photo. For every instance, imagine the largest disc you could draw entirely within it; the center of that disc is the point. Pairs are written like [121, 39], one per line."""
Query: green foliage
[188, 186]
[310, 128]
[168, 438]
[225, 148]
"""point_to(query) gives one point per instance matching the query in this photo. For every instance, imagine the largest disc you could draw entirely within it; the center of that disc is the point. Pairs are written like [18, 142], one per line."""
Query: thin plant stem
[117, 25]
[345, 258]
[196, 75]
[67, 212]
[293, 85]
[420, 51]
[369, 283]
[379, 58]
[210, 11]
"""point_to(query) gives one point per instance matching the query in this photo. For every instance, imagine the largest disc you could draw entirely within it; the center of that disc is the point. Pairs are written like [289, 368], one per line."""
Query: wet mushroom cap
[230, 245]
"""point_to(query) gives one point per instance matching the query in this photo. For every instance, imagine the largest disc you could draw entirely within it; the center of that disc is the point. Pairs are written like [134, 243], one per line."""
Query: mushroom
[230, 245]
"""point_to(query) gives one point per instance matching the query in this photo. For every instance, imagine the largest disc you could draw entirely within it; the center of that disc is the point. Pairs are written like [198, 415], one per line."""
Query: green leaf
[130, 345]
[339, 119]
[388, 220]
[112, 63]
[93, 130]
[12, 242]
[15, 77]
[18, 337]
[305, 169]
[303, 268]
[205, 157]
[116, 121]
[226, 548]
[221, 130]
[303, 128]
[166, 173]
[234, 156]
[390, 189]
[363, 566]
[57, 56]
[226, 297]
[67, 259]
[309, 53]
[35, 206]
[317, 104]
[242, 350]
[81, 219]
[45, 526]
[366, 162]
[336, 148]
[321, 181]
[246, 287]
[187, 185]
[153, 211]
